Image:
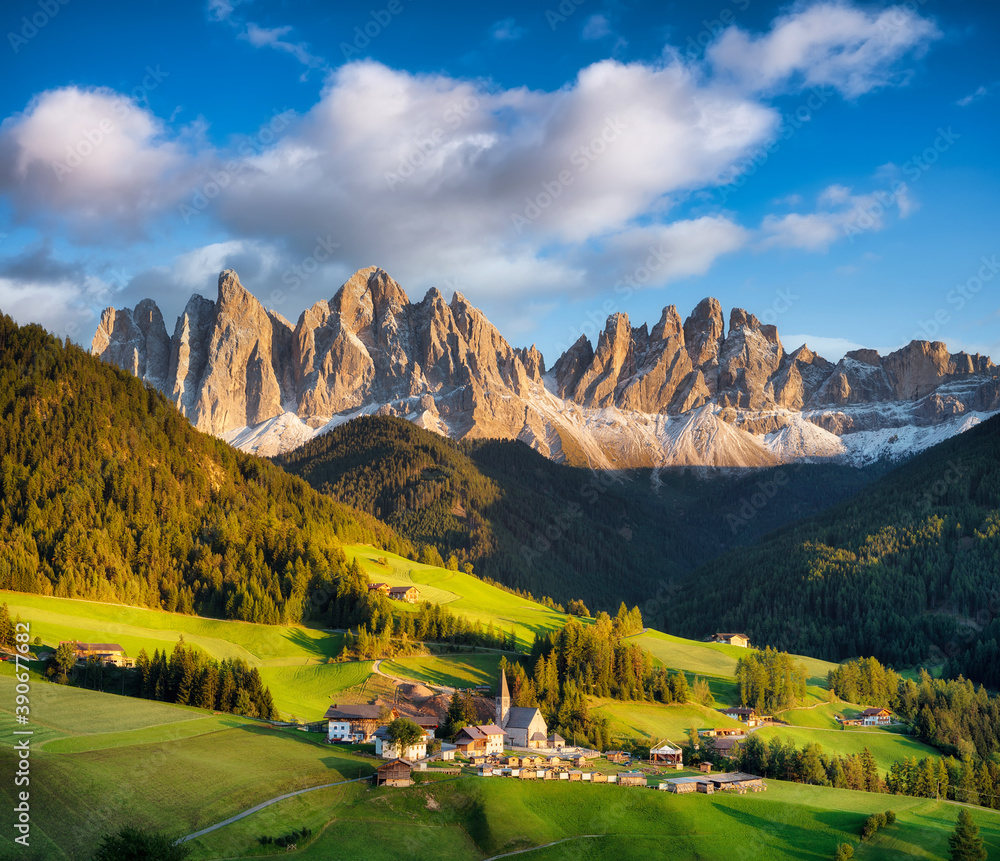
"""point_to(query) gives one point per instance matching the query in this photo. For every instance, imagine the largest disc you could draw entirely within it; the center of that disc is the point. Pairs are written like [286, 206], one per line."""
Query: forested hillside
[556, 530]
[907, 571]
[106, 492]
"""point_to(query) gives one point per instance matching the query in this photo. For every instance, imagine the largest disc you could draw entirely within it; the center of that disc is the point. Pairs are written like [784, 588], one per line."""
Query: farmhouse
[105, 653]
[727, 747]
[523, 727]
[482, 740]
[409, 594]
[876, 717]
[392, 750]
[428, 723]
[618, 756]
[743, 715]
[741, 640]
[356, 724]
[667, 753]
[379, 587]
[394, 773]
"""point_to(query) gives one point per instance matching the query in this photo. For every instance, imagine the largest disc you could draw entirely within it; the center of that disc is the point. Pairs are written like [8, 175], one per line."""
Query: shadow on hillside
[327, 647]
[801, 841]
[348, 766]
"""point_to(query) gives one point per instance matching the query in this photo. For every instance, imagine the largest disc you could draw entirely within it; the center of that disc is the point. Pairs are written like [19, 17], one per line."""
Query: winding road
[261, 806]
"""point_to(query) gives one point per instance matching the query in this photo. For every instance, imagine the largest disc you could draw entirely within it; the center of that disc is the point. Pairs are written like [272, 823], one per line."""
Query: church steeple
[503, 702]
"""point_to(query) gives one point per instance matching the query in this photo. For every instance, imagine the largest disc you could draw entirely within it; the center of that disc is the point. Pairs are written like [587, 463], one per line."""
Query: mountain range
[688, 392]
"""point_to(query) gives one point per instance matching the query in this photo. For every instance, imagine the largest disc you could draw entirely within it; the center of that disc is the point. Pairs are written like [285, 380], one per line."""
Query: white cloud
[506, 30]
[597, 27]
[92, 159]
[262, 37]
[974, 96]
[832, 44]
[514, 192]
[841, 214]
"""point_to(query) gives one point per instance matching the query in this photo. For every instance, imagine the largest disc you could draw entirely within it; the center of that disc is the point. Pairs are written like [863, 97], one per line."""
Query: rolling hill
[553, 529]
[106, 492]
[907, 571]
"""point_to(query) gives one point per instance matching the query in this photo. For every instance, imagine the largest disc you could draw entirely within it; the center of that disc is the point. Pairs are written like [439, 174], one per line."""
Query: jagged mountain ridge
[683, 393]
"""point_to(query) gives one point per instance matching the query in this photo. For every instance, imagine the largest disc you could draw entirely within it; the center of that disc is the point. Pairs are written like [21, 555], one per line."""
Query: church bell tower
[503, 701]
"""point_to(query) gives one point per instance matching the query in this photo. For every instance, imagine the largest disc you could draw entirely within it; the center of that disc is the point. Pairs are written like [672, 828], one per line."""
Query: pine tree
[965, 842]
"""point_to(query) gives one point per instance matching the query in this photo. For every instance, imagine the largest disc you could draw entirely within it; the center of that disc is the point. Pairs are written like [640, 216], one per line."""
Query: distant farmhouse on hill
[105, 653]
[741, 640]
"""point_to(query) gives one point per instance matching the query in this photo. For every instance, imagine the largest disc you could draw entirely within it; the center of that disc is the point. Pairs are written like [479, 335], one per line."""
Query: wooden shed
[396, 772]
[631, 778]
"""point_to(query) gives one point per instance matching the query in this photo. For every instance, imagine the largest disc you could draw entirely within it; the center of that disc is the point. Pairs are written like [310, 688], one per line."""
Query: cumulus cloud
[831, 44]
[92, 159]
[511, 192]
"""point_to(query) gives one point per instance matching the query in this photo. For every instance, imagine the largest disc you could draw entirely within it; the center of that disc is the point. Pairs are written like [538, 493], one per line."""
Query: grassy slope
[886, 747]
[154, 764]
[293, 660]
[462, 594]
[456, 671]
[472, 818]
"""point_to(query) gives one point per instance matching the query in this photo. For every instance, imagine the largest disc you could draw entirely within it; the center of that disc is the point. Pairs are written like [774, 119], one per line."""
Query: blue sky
[829, 166]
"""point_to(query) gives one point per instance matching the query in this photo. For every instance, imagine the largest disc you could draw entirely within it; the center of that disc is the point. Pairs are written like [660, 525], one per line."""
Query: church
[523, 727]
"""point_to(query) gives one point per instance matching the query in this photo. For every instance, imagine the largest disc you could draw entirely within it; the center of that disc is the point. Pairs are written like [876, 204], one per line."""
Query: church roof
[520, 717]
[503, 685]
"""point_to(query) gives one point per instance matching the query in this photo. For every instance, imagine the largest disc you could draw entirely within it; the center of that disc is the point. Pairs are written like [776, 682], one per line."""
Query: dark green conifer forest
[108, 493]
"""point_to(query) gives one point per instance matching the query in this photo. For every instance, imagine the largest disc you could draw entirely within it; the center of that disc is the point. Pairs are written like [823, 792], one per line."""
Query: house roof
[556, 737]
[402, 590]
[538, 736]
[97, 647]
[872, 712]
[739, 711]
[394, 762]
[351, 712]
[480, 732]
[665, 748]
[744, 636]
[426, 721]
[520, 717]
[726, 743]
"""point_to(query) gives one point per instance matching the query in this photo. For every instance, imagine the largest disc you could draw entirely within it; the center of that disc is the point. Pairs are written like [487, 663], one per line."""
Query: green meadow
[454, 671]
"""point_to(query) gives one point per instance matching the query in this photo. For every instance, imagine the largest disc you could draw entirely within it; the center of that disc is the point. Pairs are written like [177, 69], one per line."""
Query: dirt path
[544, 846]
[378, 670]
[261, 806]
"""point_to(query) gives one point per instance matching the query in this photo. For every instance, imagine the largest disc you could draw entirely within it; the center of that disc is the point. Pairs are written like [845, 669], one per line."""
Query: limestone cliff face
[688, 392]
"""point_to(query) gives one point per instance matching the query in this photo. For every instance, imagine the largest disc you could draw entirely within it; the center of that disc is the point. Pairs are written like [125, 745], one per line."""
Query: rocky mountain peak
[678, 392]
